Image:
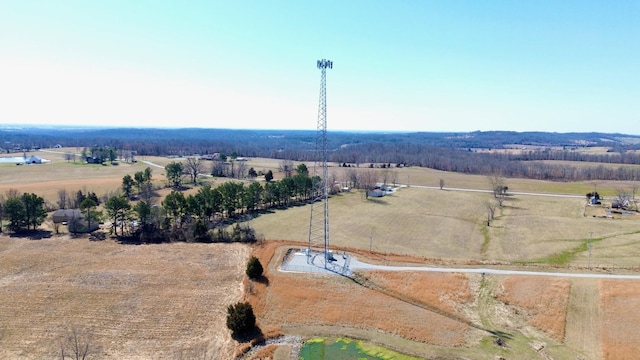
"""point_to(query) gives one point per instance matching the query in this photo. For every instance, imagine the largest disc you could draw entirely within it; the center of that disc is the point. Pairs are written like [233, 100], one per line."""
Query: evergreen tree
[240, 318]
[254, 268]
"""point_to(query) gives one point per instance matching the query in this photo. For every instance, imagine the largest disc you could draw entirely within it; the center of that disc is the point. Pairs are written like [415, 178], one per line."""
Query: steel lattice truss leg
[319, 220]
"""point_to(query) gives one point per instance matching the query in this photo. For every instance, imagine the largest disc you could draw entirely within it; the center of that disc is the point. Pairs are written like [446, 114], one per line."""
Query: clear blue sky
[398, 65]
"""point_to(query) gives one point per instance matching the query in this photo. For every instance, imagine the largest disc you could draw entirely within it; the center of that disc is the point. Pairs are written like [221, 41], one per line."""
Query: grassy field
[168, 301]
[451, 225]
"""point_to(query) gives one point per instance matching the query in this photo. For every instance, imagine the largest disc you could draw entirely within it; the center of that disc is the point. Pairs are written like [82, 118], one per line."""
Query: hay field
[137, 302]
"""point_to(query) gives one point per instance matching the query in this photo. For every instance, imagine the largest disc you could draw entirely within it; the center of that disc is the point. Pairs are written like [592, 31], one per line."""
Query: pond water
[347, 349]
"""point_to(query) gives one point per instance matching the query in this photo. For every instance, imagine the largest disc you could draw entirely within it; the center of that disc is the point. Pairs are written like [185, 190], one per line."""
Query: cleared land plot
[137, 302]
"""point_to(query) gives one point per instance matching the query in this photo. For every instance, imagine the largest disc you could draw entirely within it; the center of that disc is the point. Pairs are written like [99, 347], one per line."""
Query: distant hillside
[152, 141]
[458, 152]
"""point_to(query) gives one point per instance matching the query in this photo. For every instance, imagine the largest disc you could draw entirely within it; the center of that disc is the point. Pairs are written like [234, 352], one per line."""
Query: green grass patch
[565, 257]
[344, 348]
[487, 240]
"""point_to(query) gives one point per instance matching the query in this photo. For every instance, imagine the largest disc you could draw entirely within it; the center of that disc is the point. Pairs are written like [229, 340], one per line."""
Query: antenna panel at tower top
[325, 64]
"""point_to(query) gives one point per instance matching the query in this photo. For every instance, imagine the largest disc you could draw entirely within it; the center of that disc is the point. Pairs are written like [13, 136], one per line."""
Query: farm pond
[347, 349]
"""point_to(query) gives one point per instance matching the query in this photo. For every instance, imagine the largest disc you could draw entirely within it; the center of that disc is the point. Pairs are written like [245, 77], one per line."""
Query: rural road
[152, 164]
[358, 265]
[509, 193]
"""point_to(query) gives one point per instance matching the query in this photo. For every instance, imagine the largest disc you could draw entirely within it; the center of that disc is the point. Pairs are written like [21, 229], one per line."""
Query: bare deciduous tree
[333, 183]
[241, 170]
[499, 188]
[286, 167]
[62, 198]
[441, 183]
[193, 167]
[385, 176]
[352, 177]
[77, 344]
[368, 181]
[218, 168]
[394, 178]
[491, 210]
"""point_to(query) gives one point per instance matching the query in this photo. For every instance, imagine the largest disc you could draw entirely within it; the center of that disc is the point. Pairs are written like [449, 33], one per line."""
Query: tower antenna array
[319, 220]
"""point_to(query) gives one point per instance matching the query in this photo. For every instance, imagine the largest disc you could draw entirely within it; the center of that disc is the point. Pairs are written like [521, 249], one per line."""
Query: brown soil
[620, 327]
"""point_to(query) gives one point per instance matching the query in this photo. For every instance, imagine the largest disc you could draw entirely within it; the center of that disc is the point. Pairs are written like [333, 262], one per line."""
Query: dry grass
[449, 225]
[447, 292]
[408, 222]
[137, 302]
[620, 327]
[47, 179]
[538, 301]
[301, 300]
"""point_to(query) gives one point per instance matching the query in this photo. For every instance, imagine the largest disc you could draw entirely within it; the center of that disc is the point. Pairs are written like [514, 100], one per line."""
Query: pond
[347, 349]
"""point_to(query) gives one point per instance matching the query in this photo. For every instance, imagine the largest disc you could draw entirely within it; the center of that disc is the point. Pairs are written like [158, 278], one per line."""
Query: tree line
[202, 216]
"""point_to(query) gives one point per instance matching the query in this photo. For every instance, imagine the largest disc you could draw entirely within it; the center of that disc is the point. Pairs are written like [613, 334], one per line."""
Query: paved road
[358, 265]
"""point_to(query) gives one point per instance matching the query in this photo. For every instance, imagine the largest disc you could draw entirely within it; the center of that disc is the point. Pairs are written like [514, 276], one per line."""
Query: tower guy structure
[319, 220]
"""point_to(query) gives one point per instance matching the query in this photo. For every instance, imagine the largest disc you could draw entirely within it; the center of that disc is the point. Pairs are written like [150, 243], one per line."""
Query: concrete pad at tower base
[300, 260]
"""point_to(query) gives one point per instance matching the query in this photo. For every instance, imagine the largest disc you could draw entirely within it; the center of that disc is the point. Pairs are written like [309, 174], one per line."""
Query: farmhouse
[74, 219]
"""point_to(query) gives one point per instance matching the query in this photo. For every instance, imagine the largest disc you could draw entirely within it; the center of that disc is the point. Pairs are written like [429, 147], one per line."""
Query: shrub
[254, 268]
[240, 318]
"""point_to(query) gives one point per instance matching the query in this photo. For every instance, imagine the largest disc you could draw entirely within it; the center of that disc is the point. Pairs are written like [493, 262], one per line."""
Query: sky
[423, 65]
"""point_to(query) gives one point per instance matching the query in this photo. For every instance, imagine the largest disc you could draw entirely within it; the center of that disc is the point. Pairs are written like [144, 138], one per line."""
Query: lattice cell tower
[319, 221]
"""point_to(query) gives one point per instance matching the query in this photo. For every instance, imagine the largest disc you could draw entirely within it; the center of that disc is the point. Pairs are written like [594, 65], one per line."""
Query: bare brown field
[620, 326]
[291, 300]
[540, 302]
[47, 179]
[137, 302]
[530, 311]
[447, 292]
